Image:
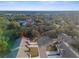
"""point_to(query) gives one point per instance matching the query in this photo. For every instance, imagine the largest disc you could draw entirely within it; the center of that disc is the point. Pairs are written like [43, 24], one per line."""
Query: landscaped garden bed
[51, 48]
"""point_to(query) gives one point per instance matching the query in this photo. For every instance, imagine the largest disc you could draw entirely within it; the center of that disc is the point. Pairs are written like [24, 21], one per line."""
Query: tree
[3, 46]
[13, 25]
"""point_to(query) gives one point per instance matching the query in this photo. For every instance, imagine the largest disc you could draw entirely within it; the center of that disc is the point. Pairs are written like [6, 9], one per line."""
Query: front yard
[34, 51]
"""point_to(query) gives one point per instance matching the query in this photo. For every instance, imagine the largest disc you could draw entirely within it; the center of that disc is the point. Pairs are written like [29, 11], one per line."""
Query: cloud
[31, 8]
[38, 5]
[7, 3]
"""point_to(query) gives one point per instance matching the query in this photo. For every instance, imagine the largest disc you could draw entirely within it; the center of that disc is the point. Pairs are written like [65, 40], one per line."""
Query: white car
[53, 54]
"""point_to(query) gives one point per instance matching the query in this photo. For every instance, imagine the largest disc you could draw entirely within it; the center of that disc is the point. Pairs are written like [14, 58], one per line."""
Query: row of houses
[26, 22]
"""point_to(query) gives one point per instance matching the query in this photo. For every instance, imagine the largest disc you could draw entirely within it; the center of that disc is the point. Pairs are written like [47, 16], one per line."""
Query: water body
[14, 49]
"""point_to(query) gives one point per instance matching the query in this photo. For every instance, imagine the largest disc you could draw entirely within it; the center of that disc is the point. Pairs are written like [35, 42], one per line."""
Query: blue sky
[39, 5]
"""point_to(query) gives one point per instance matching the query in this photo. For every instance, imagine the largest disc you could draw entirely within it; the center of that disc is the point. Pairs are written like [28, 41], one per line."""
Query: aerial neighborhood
[44, 34]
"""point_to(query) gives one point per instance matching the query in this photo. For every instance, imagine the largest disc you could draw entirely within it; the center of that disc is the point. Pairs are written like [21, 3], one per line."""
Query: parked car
[53, 54]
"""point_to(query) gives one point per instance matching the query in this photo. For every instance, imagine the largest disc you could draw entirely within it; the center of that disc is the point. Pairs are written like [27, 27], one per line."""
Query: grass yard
[34, 51]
